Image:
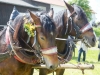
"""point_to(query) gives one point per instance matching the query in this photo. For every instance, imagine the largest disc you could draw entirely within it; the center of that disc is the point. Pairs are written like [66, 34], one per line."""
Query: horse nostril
[51, 67]
[93, 39]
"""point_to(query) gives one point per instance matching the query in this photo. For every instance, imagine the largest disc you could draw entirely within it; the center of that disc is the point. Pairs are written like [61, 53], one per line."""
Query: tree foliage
[84, 4]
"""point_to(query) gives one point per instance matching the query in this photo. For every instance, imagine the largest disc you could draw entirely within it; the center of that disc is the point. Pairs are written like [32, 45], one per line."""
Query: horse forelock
[48, 24]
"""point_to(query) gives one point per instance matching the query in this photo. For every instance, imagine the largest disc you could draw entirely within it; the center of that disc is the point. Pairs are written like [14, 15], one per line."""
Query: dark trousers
[79, 54]
[99, 55]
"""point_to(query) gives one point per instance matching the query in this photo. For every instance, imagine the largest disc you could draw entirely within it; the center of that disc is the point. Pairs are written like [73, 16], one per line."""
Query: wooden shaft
[69, 66]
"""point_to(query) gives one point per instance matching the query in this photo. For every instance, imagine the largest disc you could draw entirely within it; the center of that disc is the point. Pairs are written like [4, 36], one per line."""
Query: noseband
[77, 29]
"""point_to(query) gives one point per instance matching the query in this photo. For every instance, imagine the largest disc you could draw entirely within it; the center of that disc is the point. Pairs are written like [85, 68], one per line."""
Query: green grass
[97, 31]
[91, 58]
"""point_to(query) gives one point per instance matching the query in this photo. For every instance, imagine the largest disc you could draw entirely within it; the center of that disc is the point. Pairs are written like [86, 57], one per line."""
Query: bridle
[37, 49]
[79, 31]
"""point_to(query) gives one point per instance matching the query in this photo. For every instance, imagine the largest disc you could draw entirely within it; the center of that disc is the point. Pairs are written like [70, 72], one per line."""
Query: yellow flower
[29, 28]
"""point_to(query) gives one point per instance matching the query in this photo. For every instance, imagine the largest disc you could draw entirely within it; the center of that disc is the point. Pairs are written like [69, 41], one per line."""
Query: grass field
[91, 58]
[97, 31]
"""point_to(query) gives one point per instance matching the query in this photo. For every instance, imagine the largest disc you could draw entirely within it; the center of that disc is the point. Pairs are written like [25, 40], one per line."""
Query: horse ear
[33, 16]
[51, 13]
[70, 8]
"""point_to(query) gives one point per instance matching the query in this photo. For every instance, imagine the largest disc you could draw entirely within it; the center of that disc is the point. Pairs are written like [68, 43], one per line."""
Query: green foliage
[84, 4]
[97, 31]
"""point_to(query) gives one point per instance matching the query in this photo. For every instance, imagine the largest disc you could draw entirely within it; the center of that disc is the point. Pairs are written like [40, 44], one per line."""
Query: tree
[84, 4]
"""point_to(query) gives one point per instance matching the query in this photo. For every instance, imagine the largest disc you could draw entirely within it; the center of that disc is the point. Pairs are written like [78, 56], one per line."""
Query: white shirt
[83, 46]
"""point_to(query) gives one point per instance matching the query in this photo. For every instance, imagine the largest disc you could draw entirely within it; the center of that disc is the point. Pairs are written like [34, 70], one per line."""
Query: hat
[14, 13]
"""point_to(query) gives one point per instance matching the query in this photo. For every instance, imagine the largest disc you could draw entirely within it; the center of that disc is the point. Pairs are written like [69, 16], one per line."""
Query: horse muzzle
[50, 58]
[90, 41]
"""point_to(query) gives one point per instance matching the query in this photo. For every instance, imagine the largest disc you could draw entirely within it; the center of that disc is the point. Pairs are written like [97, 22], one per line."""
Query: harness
[78, 30]
[17, 51]
[14, 49]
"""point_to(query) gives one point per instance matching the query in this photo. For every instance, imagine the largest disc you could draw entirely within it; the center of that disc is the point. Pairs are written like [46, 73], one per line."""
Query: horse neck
[63, 30]
[61, 20]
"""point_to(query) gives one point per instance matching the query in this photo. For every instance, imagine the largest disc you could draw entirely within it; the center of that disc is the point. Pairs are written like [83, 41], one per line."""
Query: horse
[28, 41]
[75, 24]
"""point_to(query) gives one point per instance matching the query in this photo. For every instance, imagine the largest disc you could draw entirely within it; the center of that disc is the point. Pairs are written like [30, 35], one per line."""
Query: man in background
[83, 49]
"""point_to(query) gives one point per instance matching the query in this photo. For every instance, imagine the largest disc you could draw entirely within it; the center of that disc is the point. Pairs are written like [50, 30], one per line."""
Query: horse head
[43, 31]
[81, 28]
[46, 37]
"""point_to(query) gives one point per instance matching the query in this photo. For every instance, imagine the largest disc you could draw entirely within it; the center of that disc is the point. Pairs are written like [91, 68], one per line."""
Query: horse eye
[79, 18]
[42, 38]
[74, 14]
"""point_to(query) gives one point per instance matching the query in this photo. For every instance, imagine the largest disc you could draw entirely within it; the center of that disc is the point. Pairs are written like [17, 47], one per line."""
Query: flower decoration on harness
[30, 29]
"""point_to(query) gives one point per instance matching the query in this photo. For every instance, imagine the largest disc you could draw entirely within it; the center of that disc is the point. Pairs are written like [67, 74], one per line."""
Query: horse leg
[43, 72]
[32, 72]
[60, 71]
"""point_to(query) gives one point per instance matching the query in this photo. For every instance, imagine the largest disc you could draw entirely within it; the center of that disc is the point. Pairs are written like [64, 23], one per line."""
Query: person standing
[99, 49]
[83, 49]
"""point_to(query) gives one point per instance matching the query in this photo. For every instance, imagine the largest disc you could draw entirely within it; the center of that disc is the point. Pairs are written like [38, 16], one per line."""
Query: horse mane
[59, 17]
[59, 20]
[48, 24]
[79, 11]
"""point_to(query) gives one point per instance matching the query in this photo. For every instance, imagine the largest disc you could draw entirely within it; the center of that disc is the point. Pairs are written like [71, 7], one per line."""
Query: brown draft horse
[76, 25]
[19, 52]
